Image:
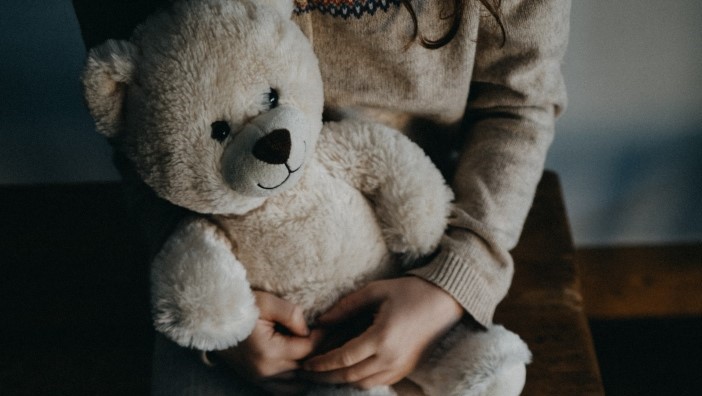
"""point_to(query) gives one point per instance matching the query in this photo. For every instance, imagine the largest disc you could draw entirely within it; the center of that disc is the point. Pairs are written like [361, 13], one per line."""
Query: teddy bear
[218, 105]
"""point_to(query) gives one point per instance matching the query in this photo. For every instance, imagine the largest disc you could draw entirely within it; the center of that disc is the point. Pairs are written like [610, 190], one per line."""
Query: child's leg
[177, 371]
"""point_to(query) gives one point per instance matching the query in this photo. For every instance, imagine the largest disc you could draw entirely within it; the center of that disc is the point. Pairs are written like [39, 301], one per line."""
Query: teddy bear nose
[273, 148]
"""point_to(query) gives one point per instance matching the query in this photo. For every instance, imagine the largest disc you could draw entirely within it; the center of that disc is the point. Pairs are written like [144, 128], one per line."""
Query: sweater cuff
[474, 277]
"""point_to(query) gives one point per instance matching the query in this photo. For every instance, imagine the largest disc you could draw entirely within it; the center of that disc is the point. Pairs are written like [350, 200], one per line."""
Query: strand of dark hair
[493, 7]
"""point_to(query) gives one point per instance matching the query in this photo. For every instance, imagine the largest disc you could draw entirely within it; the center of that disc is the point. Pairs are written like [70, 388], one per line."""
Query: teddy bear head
[217, 103]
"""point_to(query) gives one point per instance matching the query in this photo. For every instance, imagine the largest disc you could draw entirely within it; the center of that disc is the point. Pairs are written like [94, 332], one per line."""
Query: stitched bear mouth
[290, 172]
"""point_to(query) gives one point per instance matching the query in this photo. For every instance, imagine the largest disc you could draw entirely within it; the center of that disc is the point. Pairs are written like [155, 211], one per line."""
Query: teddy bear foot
[350, 391]
[475, 363]
[509, 381]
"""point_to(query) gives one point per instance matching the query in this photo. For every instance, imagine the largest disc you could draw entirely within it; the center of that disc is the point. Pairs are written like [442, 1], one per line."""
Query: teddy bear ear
[284, 7]
[109, 68]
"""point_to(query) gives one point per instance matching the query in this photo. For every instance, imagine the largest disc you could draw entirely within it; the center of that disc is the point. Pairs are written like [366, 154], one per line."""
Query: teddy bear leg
[470, 362]
[508, 381]
[344, 390]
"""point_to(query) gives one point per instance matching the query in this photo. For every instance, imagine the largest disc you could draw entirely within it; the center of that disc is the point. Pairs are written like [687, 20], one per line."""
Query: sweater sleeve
[516, 93]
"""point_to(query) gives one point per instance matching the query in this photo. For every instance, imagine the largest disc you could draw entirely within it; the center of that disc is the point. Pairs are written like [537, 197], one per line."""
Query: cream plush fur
[218, 103]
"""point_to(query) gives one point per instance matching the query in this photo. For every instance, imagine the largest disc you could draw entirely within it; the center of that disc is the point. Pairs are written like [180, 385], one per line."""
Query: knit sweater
[483, 107]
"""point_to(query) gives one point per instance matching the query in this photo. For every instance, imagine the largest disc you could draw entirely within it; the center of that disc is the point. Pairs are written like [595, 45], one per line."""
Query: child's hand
[270, 357]
[410, 314]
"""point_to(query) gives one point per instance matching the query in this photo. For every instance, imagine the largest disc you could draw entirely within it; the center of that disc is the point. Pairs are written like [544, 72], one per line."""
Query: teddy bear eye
[272, 99]
[220, 130]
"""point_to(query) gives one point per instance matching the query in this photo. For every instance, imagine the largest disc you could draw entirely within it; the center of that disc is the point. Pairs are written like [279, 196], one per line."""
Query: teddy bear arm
[200, 295]
[409, 195]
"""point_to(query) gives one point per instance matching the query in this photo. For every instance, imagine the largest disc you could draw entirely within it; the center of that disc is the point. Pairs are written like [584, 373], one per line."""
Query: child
[477, 83]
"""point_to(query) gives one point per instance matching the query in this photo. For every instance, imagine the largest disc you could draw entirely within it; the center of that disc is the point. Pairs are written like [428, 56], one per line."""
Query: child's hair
[492, 7]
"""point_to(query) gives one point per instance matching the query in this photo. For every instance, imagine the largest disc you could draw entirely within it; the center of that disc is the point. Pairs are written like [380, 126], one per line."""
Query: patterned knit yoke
[344, 8]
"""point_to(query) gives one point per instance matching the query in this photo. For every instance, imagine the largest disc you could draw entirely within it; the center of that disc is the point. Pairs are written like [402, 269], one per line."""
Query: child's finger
[349, 354]
[296, 348]
[358, 372]
[287, 314]
[317, 337]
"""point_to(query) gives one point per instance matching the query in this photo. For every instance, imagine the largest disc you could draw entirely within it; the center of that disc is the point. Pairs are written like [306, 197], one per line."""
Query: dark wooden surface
[545, 306]
[642, 281]
[73, 296]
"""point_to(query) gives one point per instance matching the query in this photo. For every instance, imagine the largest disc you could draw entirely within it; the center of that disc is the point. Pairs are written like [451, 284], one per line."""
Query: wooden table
[544, 305]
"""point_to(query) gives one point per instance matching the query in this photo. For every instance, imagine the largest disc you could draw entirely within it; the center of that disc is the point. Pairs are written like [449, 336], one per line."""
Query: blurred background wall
[629, 148]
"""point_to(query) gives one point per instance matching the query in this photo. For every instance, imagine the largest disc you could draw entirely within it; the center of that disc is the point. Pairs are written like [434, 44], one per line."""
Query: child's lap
[178, 371]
